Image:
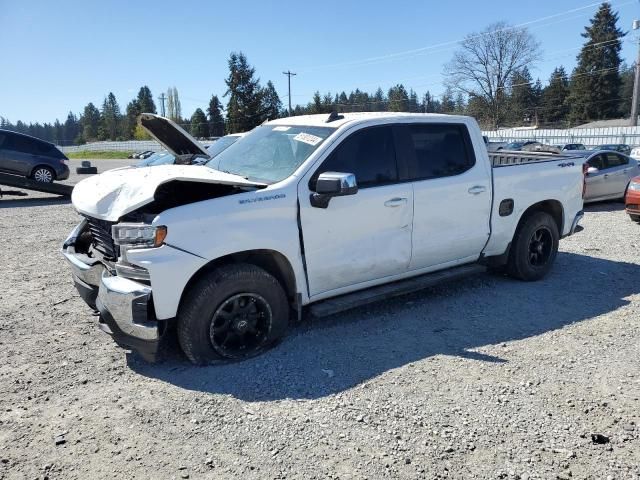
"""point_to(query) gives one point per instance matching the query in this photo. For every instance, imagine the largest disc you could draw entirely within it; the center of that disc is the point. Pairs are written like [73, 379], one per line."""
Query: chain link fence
[124, 146]
[591, 137]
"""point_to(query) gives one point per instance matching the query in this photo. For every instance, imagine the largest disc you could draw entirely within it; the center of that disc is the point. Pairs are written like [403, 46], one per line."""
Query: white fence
[590, 137]
[126, 146]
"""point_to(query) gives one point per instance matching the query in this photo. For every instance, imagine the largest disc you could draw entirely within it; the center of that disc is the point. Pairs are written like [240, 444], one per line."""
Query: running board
[390, 290]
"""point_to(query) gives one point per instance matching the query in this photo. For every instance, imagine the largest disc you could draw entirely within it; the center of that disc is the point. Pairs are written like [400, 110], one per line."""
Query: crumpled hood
[114, 193]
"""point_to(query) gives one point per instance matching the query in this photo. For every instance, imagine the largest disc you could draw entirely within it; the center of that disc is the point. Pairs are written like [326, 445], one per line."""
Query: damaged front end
[113, 249]
[117, 290]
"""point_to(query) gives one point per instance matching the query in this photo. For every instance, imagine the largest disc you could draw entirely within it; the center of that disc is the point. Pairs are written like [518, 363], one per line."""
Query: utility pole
[162, 99]
[289, 74]
[636, 82]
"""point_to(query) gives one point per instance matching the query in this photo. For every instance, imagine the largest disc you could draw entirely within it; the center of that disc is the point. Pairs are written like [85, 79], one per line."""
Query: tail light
[64, 161]
[585, 168]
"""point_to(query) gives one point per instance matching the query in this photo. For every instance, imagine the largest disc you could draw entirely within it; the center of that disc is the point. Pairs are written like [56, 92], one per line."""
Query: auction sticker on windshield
[308, 138]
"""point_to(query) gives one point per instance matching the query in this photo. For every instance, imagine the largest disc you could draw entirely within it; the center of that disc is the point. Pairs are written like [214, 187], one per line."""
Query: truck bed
[505, 158]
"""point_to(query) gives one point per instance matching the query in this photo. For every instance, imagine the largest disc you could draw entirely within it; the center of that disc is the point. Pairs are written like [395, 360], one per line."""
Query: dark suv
[34, 158]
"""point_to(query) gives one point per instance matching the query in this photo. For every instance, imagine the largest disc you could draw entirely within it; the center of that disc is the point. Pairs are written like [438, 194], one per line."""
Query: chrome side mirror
[333, 184]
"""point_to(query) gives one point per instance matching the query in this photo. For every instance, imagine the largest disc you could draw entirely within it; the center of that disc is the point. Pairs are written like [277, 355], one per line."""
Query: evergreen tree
[414, 106]
[271, 105]
[58, 133]
[430, 104]
[145, 100]
[110, 118]
[316, 104]
[90, 122]
[72, 129]
[447, 101]
[327, 103]
[626, 89]
[522, 98]
[131, 118]
[244, 92]
[214, 115]
[379, 101]
[595, 83]
[199, 124]
[398, 99]
[554, 97]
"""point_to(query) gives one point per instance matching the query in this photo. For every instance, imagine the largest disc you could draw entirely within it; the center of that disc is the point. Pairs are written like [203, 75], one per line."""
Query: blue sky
[59, 55]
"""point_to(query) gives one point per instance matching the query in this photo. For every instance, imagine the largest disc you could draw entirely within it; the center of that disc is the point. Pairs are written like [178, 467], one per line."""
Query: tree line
[489, 78]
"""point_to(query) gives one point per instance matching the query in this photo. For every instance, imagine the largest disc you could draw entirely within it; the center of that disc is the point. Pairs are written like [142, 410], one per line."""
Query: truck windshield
[270, 153]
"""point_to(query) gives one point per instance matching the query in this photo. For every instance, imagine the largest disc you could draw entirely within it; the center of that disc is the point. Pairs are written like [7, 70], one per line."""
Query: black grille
[102, 240]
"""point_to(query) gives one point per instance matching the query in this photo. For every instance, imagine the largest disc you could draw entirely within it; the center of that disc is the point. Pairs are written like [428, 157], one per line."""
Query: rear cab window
[438, 150]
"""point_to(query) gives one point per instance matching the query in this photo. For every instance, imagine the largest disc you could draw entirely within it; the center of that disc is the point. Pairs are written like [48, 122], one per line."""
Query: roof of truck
[320, 120]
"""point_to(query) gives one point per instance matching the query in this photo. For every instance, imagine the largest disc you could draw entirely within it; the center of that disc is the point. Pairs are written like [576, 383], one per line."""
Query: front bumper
[125, 306]
[632, 202]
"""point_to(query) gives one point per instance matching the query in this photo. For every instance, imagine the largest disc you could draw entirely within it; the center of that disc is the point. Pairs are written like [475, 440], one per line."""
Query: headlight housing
[138, 235]
[635, 185]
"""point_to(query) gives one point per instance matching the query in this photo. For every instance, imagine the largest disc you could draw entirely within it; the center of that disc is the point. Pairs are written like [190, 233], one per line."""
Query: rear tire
[635, 218]
[534, 247]
[43, 175]
[233, 313]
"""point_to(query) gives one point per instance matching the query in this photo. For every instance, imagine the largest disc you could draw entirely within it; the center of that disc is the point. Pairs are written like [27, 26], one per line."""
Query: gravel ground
[485, 378]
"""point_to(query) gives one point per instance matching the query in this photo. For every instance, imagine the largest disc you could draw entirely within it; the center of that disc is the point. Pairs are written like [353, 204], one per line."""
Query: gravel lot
[486, 378]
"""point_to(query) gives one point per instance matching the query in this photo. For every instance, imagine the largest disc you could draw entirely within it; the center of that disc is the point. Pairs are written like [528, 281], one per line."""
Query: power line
[453, 43]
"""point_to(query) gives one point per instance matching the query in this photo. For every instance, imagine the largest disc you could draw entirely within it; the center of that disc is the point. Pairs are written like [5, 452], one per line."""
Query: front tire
[233, 313]
[534, 247]
[635, 218]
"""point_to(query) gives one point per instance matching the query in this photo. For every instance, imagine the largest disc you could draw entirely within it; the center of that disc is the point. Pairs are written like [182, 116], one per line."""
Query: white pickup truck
[320, 212]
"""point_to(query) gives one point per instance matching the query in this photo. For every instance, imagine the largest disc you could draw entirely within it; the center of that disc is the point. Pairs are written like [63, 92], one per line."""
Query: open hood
[115, 193]
[172, 136]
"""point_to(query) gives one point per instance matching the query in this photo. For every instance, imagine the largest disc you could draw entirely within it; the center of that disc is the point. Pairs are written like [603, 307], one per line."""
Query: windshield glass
[270, 153]
[222, 144]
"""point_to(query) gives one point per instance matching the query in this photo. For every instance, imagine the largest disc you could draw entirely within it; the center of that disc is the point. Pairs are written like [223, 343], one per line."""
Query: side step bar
[390, 290]
[28, 184]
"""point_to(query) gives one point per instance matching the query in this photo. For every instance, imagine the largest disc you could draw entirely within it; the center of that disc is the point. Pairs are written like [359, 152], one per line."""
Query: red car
[632, 199]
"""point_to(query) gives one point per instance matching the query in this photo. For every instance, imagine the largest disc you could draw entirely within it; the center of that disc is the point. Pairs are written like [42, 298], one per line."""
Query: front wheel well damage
[274, 263]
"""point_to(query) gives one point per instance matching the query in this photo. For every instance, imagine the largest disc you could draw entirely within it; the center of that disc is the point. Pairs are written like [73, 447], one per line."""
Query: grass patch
[97, 154]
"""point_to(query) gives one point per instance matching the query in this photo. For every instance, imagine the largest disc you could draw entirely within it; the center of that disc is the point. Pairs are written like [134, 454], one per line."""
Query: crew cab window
[441, 150]
[614, 160]
[368, 153]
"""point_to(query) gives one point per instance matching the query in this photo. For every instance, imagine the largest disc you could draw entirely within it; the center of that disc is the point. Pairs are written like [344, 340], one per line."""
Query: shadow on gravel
[324, 357]
[606, 206]
[33, 202]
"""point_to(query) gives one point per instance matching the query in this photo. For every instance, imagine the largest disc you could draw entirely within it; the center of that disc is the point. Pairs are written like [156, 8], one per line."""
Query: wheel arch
[273, 262]
[552, 207]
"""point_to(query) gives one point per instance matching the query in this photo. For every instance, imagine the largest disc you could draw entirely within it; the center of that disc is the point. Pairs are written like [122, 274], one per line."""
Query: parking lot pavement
[483, 378]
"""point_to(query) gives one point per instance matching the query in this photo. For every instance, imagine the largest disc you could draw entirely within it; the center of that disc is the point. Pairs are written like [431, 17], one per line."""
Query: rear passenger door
[452, 194]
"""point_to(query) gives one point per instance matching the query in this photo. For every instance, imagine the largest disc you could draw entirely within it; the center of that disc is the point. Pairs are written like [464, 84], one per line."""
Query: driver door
[363, 237]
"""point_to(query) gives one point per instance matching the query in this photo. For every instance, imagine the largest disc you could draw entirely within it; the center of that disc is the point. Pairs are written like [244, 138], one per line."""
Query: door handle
[395, 202]
[606, 175]
[478, 189]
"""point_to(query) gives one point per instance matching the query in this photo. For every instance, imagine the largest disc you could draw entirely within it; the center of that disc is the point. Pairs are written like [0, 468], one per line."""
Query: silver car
[608, 174]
